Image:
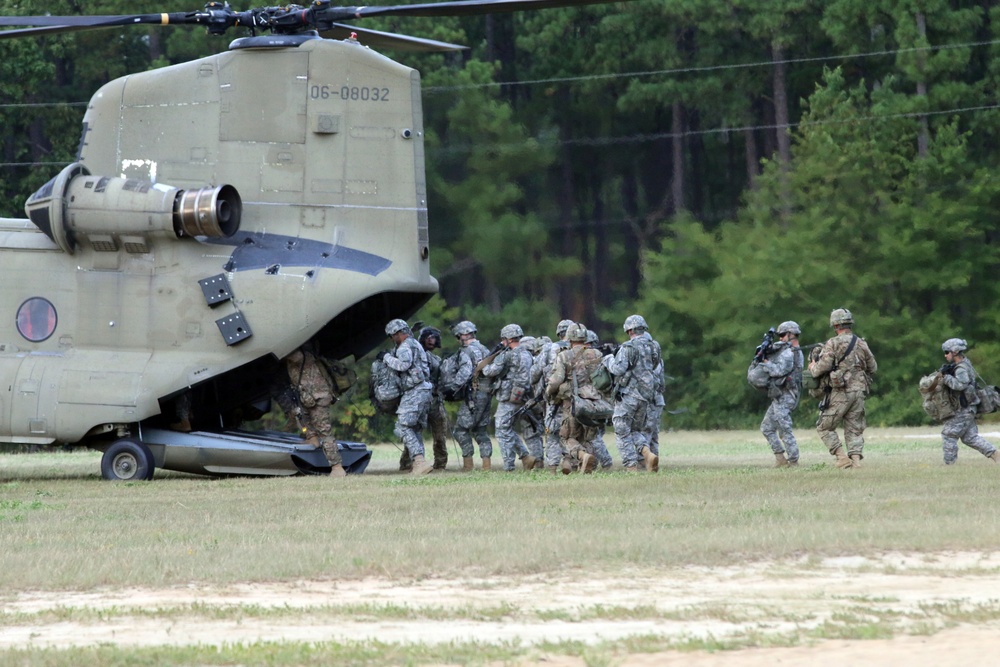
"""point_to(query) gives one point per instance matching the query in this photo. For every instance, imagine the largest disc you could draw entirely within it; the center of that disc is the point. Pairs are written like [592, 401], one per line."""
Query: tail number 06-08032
[353, 93]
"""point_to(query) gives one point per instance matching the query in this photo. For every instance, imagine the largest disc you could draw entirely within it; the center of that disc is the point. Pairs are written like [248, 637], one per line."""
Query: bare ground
[926, 598]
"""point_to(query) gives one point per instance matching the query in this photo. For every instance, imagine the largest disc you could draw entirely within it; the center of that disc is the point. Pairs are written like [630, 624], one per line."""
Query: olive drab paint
[314, 146]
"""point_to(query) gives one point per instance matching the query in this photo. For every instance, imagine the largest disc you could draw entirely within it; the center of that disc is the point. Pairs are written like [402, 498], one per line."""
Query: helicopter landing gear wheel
[127, 460]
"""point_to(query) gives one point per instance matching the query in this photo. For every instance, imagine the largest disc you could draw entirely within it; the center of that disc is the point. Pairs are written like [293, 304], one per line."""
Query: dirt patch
[920, 594]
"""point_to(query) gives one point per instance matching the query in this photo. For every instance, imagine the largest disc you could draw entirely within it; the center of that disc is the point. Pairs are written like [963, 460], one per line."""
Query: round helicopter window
[36, 319]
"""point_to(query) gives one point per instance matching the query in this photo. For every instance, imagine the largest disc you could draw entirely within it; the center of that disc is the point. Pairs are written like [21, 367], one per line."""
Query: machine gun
[765, 345]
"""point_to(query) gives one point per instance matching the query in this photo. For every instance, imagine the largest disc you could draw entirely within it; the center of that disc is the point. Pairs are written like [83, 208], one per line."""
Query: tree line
[716, 166]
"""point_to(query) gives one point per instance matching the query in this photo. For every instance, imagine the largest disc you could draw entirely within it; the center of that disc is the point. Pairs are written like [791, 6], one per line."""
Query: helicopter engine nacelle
[115, 212]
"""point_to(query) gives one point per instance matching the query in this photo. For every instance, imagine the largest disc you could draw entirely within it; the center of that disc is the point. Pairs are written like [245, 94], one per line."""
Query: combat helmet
[592, 338]
[789, 327]
[841, 316]
[562, 327]
[395, 326]
[430, 332]
[511, 331]
[577, 333]
[954, 345]
[634, 322]
[530, 343]
[463, 327]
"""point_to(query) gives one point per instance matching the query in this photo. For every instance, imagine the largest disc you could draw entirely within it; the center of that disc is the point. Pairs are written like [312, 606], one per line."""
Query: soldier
[634, 368]
[539, 378]
[959, 377]
[571, 376]
[511, 369]
[312, 388]
[437, 419]
[784, 366]
[532, 428]
[474, 412]
[600, 449]
[848, 365]
[409, 361]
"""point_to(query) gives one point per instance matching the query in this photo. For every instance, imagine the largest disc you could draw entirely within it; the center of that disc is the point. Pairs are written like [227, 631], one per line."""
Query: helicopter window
[36, 319]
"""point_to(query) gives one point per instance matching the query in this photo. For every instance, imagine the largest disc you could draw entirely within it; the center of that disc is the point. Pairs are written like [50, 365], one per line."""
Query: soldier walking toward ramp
[848, 365]
[474, 412]
[959, 377]
[409, 361]
[784, 366]
[437, 419]
[634, 368]
[540, 372]
[571, 377]
[511, 369]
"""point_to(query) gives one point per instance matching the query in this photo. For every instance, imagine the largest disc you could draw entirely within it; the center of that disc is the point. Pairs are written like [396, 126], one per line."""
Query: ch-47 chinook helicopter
[220, 213]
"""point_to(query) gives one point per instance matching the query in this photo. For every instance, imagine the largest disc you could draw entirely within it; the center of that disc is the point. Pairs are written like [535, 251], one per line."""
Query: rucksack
[758, 377]
[989, 399]
[938, 401]
[384, 387]
[602, 379]
[447, 378]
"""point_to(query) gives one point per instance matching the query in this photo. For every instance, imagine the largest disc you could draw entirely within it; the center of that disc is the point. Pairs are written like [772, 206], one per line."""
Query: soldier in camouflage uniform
[784, 367]
[533, 430]
[409, 361]
[600, 449]
[474, 412]
[634, 368]
[848, 365]
[437, 419]
[571, 374]
[312, 387]
[959, 377]
[654, 411]
[511, 370]
[539, 378]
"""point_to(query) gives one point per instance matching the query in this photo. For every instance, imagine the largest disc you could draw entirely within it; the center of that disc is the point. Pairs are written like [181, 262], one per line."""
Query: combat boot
[843, 461]
[651, 460]
[467, 464]
[539, 464]
[528, 462]
[552, 469]
[338, 471]
[566, 465]
[420, 466]
[631, 468]
[793, 463]
[855, 460]
[440, 464]
[995, 456]
[780, 461]
[587, 462]
[487, 464]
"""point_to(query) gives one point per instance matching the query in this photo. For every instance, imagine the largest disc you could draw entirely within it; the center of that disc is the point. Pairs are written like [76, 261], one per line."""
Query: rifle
[765, 345]
[526, 411]
[487, 360]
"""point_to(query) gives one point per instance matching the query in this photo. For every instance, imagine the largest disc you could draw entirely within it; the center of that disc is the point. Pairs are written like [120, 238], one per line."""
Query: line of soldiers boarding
[553, 409]
[549, 413]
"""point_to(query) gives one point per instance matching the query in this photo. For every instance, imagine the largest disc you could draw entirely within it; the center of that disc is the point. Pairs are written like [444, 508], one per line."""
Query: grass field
[717, 502]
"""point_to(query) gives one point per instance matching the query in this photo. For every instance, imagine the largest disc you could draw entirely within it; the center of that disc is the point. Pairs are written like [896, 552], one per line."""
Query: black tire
[127, 460]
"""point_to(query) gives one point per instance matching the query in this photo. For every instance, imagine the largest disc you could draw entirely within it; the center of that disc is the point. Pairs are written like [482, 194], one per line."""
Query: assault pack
[384, 387]
[448, 383]
[938, 401]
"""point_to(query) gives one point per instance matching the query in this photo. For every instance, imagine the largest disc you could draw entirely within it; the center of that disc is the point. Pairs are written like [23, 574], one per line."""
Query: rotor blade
[454, 8]
[390, 40]
[50, 30]
[93, 21]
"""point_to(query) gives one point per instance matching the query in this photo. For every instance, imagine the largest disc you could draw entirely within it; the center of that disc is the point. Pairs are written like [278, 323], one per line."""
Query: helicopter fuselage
[103, 324]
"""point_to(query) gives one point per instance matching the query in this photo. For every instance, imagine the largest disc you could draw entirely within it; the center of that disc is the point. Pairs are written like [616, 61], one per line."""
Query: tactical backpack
[989, 399]
[758, 377]
[938, 401]
[342, 376]
[589, 407]
[384, 387]
[447, 378]
[602, 379]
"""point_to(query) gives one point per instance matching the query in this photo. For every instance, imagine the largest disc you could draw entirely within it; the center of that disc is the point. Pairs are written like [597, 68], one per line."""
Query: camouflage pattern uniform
[511, 369]
[962, 384]
[577, 363]
[786, 362]
[532, 434]
[437, 419]
[410, 361]
[654, 411]
[540, 376]
[634, 367]
[845, 404]
[474, 412]
[314, 386]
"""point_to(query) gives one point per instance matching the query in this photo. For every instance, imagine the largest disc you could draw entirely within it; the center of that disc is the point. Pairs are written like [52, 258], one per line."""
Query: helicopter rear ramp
[267, 453]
